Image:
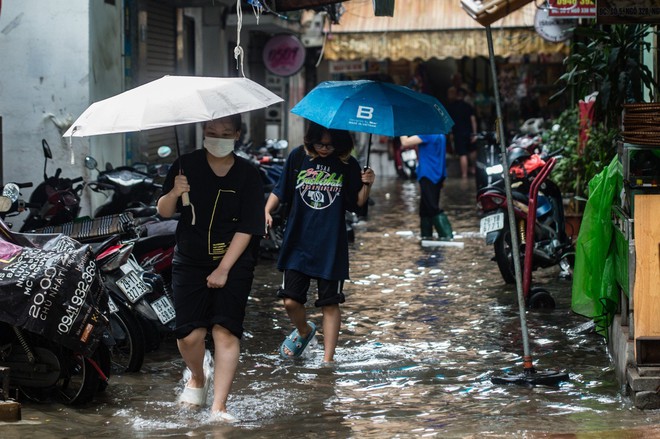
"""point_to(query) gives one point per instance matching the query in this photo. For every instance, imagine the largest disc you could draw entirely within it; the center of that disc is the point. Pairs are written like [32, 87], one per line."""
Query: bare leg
[298, 316]
[192, 351]
[472, 161]
[463, 159]
[331, 325]
[227, 352]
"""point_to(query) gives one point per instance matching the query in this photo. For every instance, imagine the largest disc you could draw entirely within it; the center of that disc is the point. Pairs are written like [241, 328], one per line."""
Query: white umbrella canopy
[170, 101]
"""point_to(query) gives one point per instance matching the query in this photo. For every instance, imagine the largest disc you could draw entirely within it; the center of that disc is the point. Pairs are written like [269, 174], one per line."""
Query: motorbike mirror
[46, 148]
[281, 144]
[163, 170]
[47, 155]
[5, 204]
[90, 162]
[164, 151]
[11, 191]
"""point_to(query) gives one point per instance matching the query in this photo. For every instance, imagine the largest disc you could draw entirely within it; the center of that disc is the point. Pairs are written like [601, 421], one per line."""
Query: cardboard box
[487, 12]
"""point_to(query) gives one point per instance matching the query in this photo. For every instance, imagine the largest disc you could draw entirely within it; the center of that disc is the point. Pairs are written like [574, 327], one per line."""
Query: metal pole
[515, 245]
[366, 166]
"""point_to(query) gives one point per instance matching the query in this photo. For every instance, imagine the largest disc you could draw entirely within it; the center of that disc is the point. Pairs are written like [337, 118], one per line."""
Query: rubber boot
[426, 226]
[443, 226]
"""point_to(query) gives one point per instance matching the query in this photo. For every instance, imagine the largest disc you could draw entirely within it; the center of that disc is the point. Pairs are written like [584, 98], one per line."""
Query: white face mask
[219, 147]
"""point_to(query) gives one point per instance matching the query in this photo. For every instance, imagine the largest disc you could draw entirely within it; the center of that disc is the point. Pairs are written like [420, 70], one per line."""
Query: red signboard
[572, 8]
[284, 55]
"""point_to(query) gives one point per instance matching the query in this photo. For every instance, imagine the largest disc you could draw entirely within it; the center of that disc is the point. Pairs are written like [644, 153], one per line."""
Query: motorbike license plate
[408, 154]
[132, 286]
[163, 309]
[111, 306]
[491, 223]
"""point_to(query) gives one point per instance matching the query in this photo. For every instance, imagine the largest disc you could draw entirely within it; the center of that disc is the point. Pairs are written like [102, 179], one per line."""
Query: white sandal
[222, 417]
[196, 396]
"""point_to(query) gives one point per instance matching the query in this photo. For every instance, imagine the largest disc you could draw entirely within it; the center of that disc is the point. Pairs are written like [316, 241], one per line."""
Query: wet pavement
[424, 330]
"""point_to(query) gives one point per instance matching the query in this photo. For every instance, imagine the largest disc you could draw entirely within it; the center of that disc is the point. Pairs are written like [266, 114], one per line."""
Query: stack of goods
[641, 124]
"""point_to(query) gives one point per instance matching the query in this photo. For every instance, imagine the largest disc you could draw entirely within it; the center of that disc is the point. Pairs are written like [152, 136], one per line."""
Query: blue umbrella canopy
[374, 107]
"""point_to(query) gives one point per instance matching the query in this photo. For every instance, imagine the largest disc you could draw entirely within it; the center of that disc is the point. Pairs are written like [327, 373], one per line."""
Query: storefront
[437, 40]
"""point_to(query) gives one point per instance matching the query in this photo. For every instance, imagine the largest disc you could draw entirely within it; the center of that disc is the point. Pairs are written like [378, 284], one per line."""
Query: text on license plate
[132, 286]
[163, 309]
[491, 223]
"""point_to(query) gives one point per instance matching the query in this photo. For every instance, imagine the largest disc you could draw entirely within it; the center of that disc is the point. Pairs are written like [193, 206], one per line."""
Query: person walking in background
[217, 238]
[464, 132]
[431, 174]
[321, 180]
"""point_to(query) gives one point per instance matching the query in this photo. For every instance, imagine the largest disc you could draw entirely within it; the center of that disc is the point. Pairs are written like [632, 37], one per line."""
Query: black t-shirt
[461, 112]
[221, 207]
[321, 189]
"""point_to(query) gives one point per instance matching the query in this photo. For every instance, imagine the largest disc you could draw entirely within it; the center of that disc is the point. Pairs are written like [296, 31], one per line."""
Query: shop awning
[431, 29]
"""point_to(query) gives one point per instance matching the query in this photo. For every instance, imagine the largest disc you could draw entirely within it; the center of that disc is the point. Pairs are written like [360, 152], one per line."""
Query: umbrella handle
[185, 199]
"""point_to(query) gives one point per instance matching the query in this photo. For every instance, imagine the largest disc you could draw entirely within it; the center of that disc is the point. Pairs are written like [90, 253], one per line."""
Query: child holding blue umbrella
[321, 180]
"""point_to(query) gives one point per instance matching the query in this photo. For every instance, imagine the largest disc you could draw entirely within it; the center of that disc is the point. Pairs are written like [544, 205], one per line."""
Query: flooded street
[423, 331]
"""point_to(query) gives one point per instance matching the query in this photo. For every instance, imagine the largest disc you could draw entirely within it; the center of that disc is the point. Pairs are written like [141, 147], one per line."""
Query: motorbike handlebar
[24, 185]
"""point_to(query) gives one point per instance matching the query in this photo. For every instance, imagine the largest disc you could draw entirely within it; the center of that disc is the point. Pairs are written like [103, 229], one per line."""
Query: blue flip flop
[295, 343]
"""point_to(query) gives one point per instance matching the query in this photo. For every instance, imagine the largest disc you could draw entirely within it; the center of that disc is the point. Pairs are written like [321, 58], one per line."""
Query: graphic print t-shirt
[315, 240]
[222, 207]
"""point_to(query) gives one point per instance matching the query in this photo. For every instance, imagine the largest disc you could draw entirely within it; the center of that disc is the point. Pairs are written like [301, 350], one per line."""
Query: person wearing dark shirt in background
[464, 132]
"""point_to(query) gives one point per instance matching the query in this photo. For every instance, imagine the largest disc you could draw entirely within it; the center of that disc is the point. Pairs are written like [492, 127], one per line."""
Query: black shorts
[198, 306]
[463, 144]
[296, 284]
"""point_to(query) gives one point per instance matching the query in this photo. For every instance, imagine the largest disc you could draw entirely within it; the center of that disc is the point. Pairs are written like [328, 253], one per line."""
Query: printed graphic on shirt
[217, 249]
[318, 187]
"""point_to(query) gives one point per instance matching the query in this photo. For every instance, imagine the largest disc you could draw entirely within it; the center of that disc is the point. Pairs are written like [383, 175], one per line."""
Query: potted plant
[607, 60]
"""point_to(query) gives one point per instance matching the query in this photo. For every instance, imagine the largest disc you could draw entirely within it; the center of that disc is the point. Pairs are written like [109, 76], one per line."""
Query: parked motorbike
[551, 245]
[43, 312]
[140, 301]
[130, 189]
[54, 201]
[409, 161]
[269, 160]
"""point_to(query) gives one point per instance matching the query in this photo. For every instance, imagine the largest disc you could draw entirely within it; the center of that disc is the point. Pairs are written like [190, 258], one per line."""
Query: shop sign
[553, 29]
[628, 11]
[353, 66]
[284, 55]
[572, 8]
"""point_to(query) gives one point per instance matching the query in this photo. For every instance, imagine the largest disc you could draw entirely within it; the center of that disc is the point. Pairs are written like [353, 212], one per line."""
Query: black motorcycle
[130, 189]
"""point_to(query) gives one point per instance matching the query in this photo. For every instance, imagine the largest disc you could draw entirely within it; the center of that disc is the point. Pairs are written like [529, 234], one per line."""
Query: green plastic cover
[595, 292]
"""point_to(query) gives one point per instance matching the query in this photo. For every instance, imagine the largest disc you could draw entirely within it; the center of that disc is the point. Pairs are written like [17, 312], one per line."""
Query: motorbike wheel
[127, 352]
[104, 362]
[540, 298]
[79, 381]
[503, 255]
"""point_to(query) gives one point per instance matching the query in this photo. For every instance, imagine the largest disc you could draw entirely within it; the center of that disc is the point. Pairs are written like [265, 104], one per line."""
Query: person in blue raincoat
[321, 180]
[431, 174]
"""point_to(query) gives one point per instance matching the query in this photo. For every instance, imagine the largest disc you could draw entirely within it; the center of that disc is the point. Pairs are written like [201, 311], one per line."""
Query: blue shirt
[432, 154]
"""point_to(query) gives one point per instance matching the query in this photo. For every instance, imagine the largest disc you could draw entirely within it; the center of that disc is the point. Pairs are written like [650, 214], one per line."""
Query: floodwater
[423, 333]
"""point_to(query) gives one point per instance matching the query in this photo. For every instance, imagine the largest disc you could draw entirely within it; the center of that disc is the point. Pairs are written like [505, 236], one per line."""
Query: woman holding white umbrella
[217, 237]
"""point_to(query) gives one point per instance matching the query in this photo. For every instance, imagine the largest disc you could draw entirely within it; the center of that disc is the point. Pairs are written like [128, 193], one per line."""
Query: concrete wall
[47, 79]
[44, 83]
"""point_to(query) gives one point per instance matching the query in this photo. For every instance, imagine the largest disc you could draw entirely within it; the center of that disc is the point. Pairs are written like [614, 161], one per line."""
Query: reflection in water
[423, 332]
